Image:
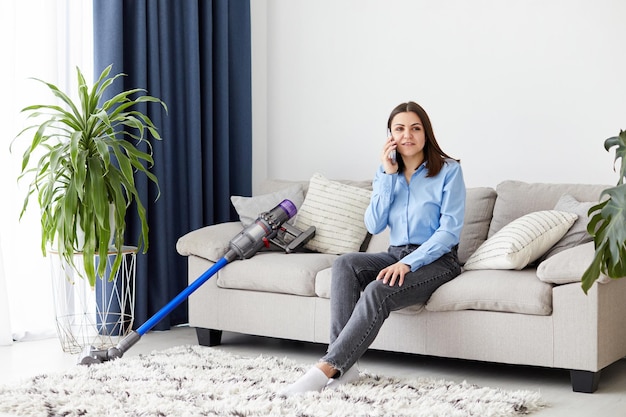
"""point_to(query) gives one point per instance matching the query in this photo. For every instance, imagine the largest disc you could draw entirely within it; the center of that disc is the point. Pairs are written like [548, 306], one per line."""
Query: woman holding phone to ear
[420, 196]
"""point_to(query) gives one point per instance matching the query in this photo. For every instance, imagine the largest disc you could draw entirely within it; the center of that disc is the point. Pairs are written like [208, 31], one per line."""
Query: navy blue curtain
[195, 56]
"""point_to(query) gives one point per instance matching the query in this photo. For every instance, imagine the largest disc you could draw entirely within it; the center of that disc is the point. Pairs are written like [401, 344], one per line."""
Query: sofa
[518, 300]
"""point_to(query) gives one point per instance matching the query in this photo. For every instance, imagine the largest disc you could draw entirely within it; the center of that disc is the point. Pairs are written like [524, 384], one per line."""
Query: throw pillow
[577, 234]
[336, 210]
[568, 265]
[479, 204]
[249, 208]
[522, 241]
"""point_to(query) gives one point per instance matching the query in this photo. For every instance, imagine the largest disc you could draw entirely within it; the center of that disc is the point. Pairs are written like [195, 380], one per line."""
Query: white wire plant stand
[98, 316]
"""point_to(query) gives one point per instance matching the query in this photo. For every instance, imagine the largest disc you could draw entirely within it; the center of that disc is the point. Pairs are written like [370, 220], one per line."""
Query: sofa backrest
[517, 198]
[479, 203]
[486, 210]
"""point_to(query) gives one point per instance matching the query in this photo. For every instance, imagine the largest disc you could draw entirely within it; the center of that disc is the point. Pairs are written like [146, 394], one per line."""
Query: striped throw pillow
[522, 241]
[336, 210]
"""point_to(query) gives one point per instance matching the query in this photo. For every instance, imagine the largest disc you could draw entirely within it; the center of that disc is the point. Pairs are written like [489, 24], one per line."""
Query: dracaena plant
[607, 223]
[82, 160]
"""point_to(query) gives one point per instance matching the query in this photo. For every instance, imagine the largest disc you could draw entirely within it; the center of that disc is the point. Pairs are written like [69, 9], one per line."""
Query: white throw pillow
[336, 210]
[249, 208]
[577, 234]
[522, 241]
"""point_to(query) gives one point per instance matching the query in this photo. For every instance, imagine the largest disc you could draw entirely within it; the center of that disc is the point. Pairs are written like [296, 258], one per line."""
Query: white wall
[525, 89]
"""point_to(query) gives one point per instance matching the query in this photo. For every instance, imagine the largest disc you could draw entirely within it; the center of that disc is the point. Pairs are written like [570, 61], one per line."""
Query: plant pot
[80, 234]
[93, 316]
[115, 300]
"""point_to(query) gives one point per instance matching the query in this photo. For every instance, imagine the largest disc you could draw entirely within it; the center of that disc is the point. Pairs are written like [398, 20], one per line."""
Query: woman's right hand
[393, 273]
[390, 166]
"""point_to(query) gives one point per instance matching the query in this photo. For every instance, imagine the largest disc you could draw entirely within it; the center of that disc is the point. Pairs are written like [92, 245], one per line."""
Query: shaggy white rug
[202, 381]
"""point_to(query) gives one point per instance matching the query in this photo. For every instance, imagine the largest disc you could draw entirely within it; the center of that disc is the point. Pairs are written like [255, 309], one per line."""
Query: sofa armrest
[589, 331]
[210, 242]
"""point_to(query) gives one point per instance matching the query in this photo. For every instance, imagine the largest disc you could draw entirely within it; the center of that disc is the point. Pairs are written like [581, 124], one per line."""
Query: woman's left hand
[394, 273]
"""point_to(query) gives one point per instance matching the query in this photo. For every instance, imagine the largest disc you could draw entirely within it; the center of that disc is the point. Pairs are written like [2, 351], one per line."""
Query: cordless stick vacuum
[269, 227]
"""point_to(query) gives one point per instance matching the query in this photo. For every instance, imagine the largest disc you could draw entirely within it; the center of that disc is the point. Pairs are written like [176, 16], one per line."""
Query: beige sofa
[537, 315]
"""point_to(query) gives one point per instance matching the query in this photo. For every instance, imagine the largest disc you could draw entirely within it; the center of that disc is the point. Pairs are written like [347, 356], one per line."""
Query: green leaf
[607, 224]
[620, 152]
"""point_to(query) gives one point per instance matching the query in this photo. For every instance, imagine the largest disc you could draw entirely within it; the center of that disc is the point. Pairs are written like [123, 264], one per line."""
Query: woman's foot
[348, 377]
[314, 380]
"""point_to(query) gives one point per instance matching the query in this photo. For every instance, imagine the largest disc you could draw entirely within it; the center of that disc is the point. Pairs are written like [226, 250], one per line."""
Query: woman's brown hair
[433, 155]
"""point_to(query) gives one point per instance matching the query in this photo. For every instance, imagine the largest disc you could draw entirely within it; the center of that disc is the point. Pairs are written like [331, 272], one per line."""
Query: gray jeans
[360, 304]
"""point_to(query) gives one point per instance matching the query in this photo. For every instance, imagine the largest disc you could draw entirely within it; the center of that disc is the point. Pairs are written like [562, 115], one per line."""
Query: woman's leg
[370, 311]
[378, 301]
[350, 275]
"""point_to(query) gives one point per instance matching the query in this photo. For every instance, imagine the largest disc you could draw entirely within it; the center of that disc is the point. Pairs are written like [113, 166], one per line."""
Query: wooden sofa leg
[584, 381]
[208, 337]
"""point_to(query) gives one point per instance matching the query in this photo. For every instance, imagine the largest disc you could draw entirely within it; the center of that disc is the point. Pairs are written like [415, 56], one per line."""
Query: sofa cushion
[517, 198]
[577, 234]
[322, 289]
[494, 290]
[276, 272]
[522, 241]
[249, 208]
[568, 265]
[336, 210]
[322, 283]
[479, 204]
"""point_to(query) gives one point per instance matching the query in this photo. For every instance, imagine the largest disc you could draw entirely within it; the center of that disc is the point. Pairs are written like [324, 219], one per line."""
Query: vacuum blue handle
[182, 296]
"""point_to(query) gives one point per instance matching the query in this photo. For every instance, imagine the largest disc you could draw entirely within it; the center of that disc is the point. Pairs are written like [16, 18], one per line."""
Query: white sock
[313, 380]
[348, 377]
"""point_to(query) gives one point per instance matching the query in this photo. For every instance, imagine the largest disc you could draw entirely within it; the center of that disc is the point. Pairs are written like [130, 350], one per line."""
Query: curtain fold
[195, 56]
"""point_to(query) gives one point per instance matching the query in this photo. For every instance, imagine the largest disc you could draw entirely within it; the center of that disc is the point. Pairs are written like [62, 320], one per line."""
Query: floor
[26, 359]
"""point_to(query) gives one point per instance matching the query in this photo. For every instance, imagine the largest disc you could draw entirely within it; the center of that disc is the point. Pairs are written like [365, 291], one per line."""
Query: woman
[419, 193]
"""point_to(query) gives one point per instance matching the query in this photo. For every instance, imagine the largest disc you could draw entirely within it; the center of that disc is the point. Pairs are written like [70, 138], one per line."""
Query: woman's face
[408, 133]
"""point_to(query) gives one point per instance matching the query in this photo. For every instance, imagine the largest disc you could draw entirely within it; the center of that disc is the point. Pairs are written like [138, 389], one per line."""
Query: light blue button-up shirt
[427, 211]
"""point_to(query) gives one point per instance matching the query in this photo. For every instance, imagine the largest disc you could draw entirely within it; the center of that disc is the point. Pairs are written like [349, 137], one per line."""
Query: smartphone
[392, 154]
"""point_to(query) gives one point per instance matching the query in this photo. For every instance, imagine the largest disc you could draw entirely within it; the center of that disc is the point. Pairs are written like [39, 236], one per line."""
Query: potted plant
[83, 158]
[607, 223]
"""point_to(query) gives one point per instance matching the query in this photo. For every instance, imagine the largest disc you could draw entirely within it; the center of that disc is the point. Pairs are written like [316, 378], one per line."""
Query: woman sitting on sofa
[419, 193]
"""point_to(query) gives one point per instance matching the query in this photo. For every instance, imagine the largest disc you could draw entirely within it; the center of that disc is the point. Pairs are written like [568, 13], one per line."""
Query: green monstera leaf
[607, 224]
